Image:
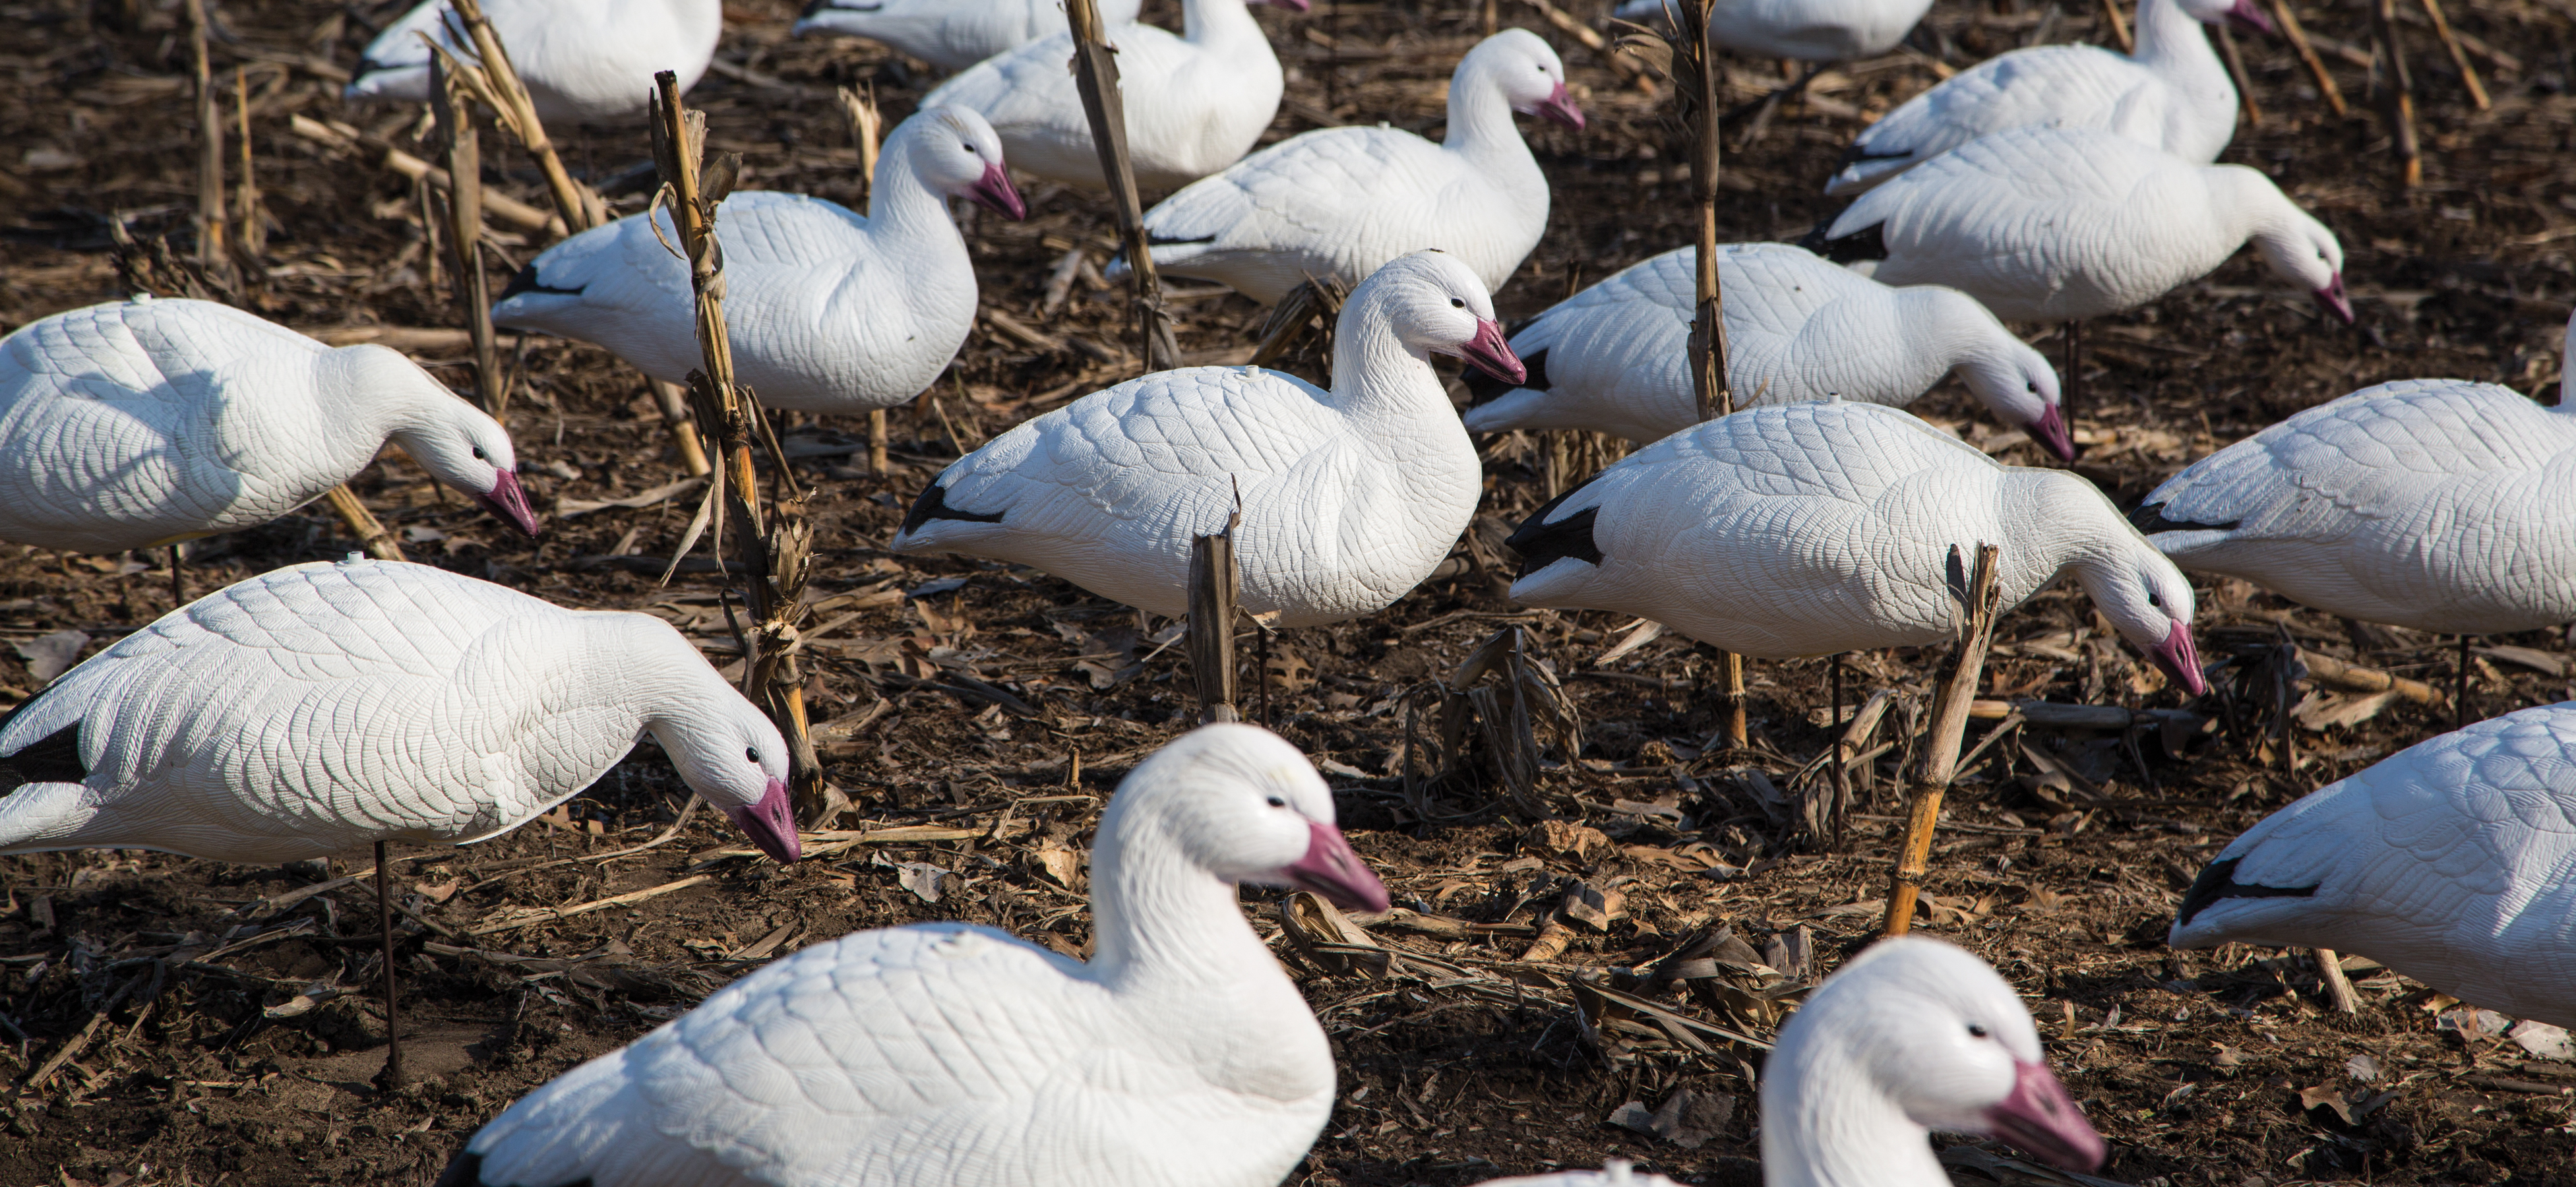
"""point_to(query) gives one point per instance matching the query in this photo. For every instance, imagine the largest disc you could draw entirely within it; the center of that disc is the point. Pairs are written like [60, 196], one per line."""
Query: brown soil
[178, 981]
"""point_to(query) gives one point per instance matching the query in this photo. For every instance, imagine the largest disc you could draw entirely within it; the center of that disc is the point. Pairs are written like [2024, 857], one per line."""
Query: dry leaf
[51, 655]
[1563, 836]
[1595, 907]
[927, 882]
[1061, 864]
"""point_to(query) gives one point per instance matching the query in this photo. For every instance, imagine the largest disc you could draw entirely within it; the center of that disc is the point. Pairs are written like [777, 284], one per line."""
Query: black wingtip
[54, 758]
[1541, 543]
[526, 282]
[2150, 518]
[465, 1170]
[1482, 388]
[1867, 243]
[1153, 240]
[2217, 881]
[933, 504]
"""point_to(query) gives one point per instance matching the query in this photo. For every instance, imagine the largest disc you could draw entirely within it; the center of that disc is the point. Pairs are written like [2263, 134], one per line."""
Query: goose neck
[1480, 115]
[1213, 23]
[373, 394]
[1826, 1125]
[1160, 920]
[899, 201]
[2167, 34]
[1376, 374]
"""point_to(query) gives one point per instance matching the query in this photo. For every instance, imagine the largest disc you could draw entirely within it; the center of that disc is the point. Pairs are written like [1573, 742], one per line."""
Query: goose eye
[1457, 303]
[752, 753]
[1976, 1030]
[478, 452]
[2153, 599]
[1276, 802]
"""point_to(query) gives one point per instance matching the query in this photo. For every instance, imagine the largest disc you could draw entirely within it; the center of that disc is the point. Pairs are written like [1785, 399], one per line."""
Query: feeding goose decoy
[828, 311]
[951, 34]
[583, 61]
[946, 1053]
[1615, 358]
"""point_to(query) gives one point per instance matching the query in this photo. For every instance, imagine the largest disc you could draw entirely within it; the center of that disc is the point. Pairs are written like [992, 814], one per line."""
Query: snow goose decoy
[830, 311]
[326, 706]
[946, 1053]
[146, 422]
[1615, 358]
[1913, 1035]
[2447, 861]
[2173, 93]
[1338, 202]
[1618, 1173]
[583, 61]
[1812, 529]
[1195, 103]
[951, 34]
[1807, 30]
[1349, 497]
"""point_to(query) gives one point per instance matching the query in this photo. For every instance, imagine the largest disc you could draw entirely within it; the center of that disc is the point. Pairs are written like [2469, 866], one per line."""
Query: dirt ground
[204, 1024]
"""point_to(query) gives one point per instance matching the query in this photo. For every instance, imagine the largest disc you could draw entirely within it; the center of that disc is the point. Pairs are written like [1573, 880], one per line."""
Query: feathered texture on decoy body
[829, 311]
[583, 61]
[1913, 1035]
[951, 34]
[1807, 529]
[2449, 861]
[1615, 358]
[2437, 504]
[326, 706]
[1349, 497]
[1339, 202]
[1808, 30]
[1195, 103]
[1618, 1173]
[2172, 93]
[2064, 224]
[146, 422]
[950, 1055]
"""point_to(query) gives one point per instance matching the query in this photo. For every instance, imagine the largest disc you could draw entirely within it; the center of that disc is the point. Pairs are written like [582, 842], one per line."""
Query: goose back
[950, 34]
[584, 61]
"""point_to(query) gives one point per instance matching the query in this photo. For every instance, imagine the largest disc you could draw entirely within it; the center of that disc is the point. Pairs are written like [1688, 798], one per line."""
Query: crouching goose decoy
[1336, 203]
[951, 34]
[147, 422]
[1913, 1035]
[2172, 93]
[829, 311]
[584, 61]
[1810, 529]
[1615, 358]
[326, 706]
[2447, 861]
[1195, 103]
[946, 1053]
[1349, 497]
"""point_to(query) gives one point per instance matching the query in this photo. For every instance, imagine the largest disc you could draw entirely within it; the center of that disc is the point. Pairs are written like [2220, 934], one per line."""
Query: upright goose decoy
[1914, 1035]
[583, 61]
[1807, 30]
[829, 311]
[1811, 529]
[1195, 103]
[1349, 497]
[946, 1053]
[146, 422]
[1336, 203]
[324, 707]
[951, 34]
[1615, 358]
[2447, 861]
[2173, 93]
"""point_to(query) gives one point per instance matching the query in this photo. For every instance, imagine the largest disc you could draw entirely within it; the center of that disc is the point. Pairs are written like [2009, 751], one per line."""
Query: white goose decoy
[2437, 504]
[1615, 358]
[1195, 103]
[1339, 202]
[951, 34]
[829, 311]
[1810, 529]
[1617, 1173]
[583, 61]
[1808, 30]
[2173, 93]
[945, 1053]
[147, 422]
[1349, 497]
[2447, 861]
[1914, 1035]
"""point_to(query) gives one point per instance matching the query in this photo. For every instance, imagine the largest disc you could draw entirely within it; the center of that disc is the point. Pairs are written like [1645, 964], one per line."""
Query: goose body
[951, 34]
[949, 1055]
[1615, 358]
[1914, 1035]
[1349, 497]
[146, 422]
[1617, 1174]
[583, 61]
[1340, 202]
[828, 311]
[321, 707]
[2437, 504]
[2452, 861]
[1807, 529]
[1808, 30]
[1195, 103]
[2064, 224]
[2173, 93]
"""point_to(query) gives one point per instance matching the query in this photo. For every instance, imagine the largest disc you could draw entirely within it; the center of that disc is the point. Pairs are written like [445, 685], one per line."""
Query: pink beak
[2180, 658]
[2249, 18]
[2051, 433]
[771, 825]
[1560, 106]
[994, 192]
[2333, 298]
[509, 501]
[1331, 869]
[1492, 355]
[2040, 1117]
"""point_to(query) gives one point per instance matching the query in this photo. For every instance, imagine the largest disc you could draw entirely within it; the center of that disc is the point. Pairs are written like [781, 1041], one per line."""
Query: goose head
[2145, 597]
[1435, 304]
[455, 441]
[1527, 70]
[958, 155]
[2002, 371]
[728, 752]
[2240, 13]
[1242, 805]
[2297, 247]
[1912, 1035]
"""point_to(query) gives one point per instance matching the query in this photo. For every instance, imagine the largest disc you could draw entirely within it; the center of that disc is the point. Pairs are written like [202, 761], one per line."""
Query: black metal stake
[392, 1077]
